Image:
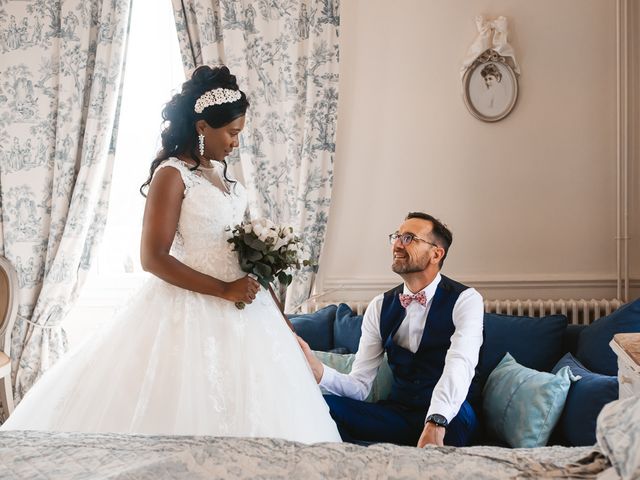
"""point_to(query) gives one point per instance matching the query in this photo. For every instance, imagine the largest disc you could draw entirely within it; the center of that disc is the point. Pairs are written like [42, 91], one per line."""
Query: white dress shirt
[460, 362]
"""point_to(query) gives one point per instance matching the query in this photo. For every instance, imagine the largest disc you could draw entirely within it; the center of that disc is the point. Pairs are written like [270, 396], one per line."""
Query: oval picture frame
[490, 87]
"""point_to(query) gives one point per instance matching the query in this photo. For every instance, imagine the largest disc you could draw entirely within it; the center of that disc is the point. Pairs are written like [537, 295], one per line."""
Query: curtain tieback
[48, 327]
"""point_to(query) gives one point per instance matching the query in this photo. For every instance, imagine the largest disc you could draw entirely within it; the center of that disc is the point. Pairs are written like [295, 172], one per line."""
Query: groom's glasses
[407, 238]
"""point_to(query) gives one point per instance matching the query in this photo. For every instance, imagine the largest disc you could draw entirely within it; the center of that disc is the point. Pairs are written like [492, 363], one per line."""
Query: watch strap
[438, 419]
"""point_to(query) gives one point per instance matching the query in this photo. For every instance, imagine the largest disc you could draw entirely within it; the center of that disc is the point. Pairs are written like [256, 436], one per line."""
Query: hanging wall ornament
[489, 72]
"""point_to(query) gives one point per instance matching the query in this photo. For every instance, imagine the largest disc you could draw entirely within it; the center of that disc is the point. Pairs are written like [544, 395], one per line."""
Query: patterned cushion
[618, 434]
[521, 405]
[342, 363]
[586, 398]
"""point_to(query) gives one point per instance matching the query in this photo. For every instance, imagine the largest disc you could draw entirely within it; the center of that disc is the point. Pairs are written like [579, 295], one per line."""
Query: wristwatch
[438, 420]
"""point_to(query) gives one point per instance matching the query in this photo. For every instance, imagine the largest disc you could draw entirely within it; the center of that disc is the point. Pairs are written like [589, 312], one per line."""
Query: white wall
[531, 199]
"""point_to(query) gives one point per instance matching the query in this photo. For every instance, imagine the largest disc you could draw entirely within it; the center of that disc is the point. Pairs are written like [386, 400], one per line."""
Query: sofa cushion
[586, 399]
[347, 329]
[570, 338]
[533, 342]
[342, 363]
[522, 405]
[316, 328]
[593, 344]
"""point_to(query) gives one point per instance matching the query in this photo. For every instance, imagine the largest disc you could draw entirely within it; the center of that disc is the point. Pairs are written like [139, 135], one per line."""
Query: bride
[181, 358]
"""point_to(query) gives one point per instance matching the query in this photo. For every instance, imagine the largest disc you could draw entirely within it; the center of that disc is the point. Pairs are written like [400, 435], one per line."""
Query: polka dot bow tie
[420, 297]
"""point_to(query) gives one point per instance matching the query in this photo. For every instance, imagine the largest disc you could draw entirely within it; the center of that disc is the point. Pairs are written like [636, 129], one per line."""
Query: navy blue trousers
[385, 421]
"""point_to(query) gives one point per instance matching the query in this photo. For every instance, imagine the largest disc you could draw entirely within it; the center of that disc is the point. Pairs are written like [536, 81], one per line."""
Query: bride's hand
[242, 290]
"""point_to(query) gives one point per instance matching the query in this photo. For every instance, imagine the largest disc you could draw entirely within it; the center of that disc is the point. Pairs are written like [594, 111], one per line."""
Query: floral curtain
[60, 83]
[285, 55]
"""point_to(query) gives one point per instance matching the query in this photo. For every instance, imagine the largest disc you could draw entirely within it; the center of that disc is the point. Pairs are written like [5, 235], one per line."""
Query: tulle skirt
[178, 362]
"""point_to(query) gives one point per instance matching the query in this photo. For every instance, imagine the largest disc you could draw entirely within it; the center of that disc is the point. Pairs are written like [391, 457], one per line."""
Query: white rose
[263, 234]
[258, 230]
[273, 236]
[258, 222]
[280, 242]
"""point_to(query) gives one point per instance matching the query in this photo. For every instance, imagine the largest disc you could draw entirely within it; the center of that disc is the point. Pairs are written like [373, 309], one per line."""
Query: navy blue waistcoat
[416, 374]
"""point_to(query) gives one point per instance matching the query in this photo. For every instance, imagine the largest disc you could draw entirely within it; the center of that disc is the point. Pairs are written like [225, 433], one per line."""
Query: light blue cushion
[522, 405]
[342, 363]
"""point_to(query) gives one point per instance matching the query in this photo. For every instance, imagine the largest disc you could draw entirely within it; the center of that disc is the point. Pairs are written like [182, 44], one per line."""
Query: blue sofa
[543, 344]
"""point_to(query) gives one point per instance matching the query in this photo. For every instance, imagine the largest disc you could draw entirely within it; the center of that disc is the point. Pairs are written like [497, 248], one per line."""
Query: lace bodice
[206, 214]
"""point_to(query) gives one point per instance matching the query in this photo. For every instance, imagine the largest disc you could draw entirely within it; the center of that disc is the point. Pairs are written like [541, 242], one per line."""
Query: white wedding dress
[178, 362]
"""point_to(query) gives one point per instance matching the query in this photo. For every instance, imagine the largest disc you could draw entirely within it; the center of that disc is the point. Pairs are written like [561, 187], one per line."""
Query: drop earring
[201, 144]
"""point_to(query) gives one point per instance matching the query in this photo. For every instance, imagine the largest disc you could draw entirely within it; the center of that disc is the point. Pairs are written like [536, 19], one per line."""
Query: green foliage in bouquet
[267, 251]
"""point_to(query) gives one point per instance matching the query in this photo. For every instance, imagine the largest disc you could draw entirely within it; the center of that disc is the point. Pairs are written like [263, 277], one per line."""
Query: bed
[48, 455]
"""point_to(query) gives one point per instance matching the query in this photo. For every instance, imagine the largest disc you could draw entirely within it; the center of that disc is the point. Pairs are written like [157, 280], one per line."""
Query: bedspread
[49, 455]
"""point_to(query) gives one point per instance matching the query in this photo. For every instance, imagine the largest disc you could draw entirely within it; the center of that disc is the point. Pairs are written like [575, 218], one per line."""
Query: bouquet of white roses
[267, 251]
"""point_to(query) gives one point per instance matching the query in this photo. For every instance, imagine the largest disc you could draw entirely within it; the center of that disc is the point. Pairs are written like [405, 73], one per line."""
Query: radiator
[577, 311]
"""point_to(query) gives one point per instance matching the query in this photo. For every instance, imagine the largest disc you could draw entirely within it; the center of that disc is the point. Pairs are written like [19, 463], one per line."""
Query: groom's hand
[432, 434]
[316, 365]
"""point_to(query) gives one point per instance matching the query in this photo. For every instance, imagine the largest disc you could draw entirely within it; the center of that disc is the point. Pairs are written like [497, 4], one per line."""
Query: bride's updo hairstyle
[179, 135]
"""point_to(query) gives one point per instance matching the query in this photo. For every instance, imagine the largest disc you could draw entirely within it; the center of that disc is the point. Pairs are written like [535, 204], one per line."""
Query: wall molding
[491, 286]
[112, 292]
[484, 281]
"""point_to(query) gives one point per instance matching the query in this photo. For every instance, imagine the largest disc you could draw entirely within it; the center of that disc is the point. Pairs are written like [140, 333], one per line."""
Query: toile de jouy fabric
[178, 362]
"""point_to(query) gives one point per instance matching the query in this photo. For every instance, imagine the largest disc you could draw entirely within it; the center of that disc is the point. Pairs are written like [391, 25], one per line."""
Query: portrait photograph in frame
[490, 87]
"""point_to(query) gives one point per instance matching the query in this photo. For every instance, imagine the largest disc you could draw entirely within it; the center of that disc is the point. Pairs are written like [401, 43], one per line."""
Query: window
[153, 72]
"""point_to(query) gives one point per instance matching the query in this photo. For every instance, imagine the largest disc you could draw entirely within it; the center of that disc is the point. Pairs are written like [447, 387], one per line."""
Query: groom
[431, 330]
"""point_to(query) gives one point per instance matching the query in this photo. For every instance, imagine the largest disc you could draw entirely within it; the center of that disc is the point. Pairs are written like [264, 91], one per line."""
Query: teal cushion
[522, 405]
[342, 363]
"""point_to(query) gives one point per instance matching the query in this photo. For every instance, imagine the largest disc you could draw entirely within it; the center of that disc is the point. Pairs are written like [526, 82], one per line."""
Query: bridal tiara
[217, 96]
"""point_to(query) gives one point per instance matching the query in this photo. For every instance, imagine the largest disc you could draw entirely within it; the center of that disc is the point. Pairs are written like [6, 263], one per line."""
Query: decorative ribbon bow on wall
[492, 34]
